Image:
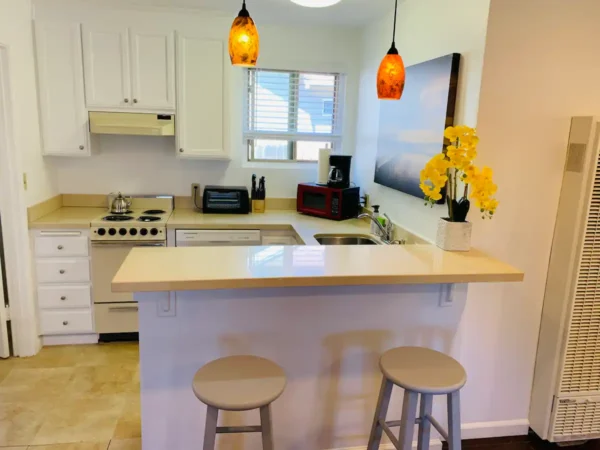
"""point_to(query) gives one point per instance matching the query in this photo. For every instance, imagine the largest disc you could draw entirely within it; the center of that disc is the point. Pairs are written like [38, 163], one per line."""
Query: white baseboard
[480, 430]
[71, 339]
[434, 444]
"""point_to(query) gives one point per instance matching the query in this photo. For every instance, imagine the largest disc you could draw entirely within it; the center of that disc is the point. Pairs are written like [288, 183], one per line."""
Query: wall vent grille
[581, 369]
[577, 418]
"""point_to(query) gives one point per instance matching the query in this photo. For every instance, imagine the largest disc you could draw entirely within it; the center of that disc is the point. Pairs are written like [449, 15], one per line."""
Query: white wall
[541, 68]
[426, 29]
[15, 32]
[149, 165]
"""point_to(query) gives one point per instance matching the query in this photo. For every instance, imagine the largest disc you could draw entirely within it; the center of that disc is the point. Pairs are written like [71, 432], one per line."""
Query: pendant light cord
[395, 15]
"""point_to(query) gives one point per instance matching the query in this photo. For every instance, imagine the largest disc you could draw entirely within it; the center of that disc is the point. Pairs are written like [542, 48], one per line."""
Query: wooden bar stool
[424, 372]
[239, 383]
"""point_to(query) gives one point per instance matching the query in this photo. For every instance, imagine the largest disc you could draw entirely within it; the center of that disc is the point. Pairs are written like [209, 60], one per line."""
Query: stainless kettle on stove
[120, 205]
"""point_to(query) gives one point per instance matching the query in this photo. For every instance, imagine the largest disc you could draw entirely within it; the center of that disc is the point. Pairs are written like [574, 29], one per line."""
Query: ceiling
[347, 12]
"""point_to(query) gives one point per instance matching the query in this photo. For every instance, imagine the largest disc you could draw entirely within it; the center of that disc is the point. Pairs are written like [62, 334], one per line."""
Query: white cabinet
[63, 116]
[106, 63]
[62, 262]
[200, 98]
[153, 68]
[129, 69]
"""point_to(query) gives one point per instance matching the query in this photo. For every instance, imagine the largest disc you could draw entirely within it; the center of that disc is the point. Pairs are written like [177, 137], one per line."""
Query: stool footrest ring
[250, 429]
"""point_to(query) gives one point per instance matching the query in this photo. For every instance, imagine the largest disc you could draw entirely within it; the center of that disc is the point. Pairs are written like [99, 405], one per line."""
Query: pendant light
[316, 3]
[391, 74]
[244, 42]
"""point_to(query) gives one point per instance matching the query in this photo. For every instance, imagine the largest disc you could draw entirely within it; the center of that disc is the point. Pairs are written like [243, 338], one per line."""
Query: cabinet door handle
[65, 322]
[180, 150]
[81, 147]
[126, 100]
[135, 100]
[61, 271]
[60, 247]
[63, 298]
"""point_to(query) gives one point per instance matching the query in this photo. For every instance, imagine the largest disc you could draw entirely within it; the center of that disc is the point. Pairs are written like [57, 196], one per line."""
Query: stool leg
[424, 425]
[454, 442]
[267, 427]
[210, 430]
[409, 416]
[383, 402]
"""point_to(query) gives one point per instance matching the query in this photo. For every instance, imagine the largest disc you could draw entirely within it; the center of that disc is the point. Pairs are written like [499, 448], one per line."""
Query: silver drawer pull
[61, 271]
[124, 309]
[65, 322]
[60, 247]
[63, 298]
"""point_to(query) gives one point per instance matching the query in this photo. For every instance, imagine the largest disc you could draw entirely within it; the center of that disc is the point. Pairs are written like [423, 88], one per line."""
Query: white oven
[114, 312]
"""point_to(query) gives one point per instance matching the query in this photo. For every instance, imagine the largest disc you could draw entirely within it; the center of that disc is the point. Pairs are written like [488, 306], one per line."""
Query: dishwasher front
[217, 238]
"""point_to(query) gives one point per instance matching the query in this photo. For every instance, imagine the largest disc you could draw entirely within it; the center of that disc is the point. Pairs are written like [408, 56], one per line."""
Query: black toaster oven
[225, 200]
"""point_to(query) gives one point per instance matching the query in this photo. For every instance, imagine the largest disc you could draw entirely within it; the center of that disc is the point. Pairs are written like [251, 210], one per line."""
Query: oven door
[107, 258]
[314, 201]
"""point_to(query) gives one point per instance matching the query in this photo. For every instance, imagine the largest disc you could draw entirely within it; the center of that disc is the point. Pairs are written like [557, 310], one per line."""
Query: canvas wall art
[411, 130]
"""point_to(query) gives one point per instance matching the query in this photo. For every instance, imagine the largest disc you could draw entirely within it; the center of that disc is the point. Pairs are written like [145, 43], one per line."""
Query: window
[291, 115]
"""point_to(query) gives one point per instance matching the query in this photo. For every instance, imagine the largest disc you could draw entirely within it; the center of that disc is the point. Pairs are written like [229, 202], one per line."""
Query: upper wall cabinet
[200, 98]
[63, 116]
[129, 69]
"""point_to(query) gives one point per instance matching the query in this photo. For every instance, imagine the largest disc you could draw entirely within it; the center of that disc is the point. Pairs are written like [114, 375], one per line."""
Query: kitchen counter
[207, 268]
[68, 217]
[305, 227]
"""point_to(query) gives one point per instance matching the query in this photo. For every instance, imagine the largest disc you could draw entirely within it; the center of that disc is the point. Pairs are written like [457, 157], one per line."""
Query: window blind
[293, 106]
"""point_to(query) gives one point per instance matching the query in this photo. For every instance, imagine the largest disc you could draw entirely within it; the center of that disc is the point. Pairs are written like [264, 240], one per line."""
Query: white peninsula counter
[324, 314]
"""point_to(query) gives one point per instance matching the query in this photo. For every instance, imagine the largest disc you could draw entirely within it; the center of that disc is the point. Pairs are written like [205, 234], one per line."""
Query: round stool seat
[422, 370]
[239, 383]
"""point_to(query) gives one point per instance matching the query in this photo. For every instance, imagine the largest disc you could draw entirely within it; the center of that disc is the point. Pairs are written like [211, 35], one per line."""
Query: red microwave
[327, 202]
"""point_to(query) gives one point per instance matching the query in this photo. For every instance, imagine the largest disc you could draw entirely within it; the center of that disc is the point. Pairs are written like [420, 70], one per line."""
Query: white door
[106, 63]
[64, 118]
[199, 120]
[153, 69]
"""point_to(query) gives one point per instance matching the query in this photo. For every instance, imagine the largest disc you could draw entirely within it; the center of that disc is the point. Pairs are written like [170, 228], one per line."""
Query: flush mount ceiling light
[244, 42]
[316, 3]
[391, 74]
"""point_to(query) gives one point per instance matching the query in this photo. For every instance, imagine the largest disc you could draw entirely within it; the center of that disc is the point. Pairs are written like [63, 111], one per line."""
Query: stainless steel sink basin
[345, 239]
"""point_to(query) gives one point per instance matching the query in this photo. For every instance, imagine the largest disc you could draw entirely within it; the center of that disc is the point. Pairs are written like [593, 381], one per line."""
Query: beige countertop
[305, 227]
[68, 217]
[205, 268]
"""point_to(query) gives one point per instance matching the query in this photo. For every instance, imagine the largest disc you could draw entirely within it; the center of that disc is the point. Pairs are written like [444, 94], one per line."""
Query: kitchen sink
[346, 239]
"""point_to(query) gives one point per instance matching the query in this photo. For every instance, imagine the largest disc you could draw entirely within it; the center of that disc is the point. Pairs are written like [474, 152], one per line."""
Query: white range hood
[138, 124]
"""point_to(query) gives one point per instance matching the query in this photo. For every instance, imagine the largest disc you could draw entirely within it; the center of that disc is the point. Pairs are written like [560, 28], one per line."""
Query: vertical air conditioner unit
[565, 402]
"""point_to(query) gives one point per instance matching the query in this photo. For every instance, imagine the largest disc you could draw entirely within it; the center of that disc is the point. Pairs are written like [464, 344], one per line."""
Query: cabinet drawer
[116, 317]
[64, 297]
[67, 322]
[63, 270]
[46, 246]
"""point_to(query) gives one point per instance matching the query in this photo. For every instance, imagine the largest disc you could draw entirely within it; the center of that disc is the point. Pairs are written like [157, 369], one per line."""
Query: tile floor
[71, 398]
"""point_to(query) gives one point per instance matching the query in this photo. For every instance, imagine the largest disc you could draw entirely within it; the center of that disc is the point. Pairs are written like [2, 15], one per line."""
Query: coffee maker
[339, 173]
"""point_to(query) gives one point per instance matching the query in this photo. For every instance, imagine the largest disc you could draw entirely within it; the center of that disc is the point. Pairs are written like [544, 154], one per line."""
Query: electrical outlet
[367, 200]
[25, 181]
[196, 195]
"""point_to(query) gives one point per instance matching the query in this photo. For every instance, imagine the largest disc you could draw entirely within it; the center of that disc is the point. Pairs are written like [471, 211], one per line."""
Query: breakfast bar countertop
[207, 268]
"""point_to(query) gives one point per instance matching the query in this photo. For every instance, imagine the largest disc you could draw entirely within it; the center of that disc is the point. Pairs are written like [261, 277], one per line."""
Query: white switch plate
[167, 306]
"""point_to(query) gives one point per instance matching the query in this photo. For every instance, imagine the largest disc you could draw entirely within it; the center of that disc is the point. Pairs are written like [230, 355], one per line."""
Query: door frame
[23, 311]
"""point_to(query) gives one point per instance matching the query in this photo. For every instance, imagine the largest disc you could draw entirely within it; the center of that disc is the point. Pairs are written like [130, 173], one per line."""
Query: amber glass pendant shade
[244, 42]
[391, 76]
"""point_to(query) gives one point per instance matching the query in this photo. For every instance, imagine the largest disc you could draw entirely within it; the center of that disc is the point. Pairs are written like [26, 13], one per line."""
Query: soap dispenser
[374, 229]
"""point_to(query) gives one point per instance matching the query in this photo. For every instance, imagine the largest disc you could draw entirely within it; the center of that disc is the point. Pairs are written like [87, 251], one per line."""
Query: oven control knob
[144, 231]
[133, 231]
[122, 231]
[101, 231]
[112, 231]
[153, 231]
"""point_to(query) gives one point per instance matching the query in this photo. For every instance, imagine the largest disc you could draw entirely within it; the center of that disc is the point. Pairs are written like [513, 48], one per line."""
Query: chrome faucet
[387, 232]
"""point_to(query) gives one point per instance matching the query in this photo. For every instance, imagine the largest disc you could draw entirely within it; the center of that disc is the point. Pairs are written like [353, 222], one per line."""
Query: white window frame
[335, 137]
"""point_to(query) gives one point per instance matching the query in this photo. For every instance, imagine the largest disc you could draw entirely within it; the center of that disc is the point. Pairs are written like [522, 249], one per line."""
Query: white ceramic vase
[454, 236]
